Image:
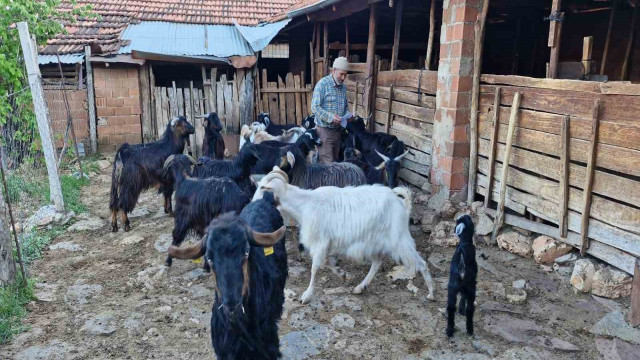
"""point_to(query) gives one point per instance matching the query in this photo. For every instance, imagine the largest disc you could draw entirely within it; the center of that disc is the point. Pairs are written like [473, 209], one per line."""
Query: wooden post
[355, 100]
[369, 83]
[325, 48]
[606, 43]
[630, 39]
[389, 115]
[313, 65]
[513, 118]
[634, 314]
[145, 103]
[346, 40]
[587, 49]
[432, 28]
[564, 177]
[155, 103]
[492, 148]
[396, 36]
[42, 114]
[91, 99]
[214, 90]
[7, 263]
[588, 186]
[555, 31]
[475, 99]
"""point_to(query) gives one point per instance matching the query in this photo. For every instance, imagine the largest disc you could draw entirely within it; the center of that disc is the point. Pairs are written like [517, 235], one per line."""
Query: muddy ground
[110, 297]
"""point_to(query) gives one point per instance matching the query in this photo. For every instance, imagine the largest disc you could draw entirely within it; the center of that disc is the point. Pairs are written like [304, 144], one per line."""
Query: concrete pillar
[450, 154]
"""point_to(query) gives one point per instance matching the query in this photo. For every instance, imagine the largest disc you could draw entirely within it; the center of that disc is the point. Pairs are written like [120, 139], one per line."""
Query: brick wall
[450, 157]
[58, 115]
[117, 106]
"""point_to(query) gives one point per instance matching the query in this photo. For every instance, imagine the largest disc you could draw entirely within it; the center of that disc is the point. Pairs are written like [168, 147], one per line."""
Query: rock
[138, 212]
[66, 245]
[522, 231]
[54, 350]
[299, 345]
[516, 243]
[611, 283]
[80, 294]
[519, 284]
[199, 291]
[194, 274]
[483, 347]
[484, 226]
[46, 292]
[610, 305]
[342, 320]
[547, 249]
[566, 259]
[617, 349]
[46, 215]
[493, 289]
[450, 355]
[524, 331]
[399, 273]
[337, 290]
[103, 164]
[444, 234]
[130, 240]
[477, 207]
[133, 322]
[429, 219]
[414, 289]
[614, 324]
[525, 353]
[102, 324]
[422, 199]
[500, 307]
[518, 298]
[438, 261]
[87, 225]
[426, 187]
[417, 212]
[582, 275]
[150, 276]
[350, 302]
[447, 211]
[563, 270]
[163, 309]
[163, 243]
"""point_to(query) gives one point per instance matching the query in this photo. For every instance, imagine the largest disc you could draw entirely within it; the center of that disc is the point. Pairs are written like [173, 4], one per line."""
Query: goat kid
[367, 222]
[462, 276]
[248, 262]
[213, 143]
[139, 167]
[237, 169]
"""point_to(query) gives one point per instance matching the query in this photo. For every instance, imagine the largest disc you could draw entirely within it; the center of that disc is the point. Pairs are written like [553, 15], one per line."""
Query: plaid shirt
[328, 99]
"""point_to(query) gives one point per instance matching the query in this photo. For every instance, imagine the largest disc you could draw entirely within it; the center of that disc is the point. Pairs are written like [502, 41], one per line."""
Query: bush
[13, 299]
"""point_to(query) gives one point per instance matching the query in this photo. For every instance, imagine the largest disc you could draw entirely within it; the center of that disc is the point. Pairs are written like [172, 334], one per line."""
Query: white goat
[248, 132]
[366, 222]
[289, 136]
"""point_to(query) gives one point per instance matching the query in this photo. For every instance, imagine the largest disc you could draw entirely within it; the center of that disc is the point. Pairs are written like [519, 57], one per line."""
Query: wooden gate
[288, 101]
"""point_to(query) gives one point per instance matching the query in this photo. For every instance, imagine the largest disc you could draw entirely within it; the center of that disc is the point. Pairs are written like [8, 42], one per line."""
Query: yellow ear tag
[268, 251]
[197, 261]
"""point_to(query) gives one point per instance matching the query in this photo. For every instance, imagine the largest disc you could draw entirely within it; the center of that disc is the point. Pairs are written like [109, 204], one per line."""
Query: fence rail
[288, 101]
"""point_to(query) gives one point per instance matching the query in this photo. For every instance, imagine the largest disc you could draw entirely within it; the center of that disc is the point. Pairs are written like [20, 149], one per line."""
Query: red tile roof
[104, 33]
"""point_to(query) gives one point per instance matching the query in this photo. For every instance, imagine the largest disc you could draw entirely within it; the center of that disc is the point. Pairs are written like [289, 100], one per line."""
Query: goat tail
[115, 182]
[405, 195]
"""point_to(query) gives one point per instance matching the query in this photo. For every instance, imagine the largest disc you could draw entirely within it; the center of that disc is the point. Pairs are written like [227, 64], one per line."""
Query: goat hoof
[359, 289]
[470, 333]
[450, 332]
[127, 228]
[430, 297]
[168, 263]
[306, 297]
[114, 228]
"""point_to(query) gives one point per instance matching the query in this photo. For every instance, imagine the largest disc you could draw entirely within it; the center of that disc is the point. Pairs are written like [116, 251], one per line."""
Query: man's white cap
[341, 63]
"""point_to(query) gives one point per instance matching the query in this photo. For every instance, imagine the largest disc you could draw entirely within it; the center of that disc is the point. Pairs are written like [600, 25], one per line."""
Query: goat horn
[201, 116]
[382, 156]
[277, 171]
[267, 239]
[381, 166]
[398, 158]
[193, 161]
[168, 161]
[189, 252]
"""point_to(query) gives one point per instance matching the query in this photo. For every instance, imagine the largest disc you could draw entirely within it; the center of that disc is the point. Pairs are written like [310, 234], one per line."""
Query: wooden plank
[222, 112]
[180, 101]
[198, 97]
[91, 100]
[325, 50]
[190, 115]
[495, 195]
[309, 97]
[214, 91]
[228, 105]
[369, 92]
[206, 85]
[608, 38]
[411, 137]
[432, 28]
[413, 178]
[237, 81]
[157, 102]
[396, 36]
[390, 102]
[555, 32]
[492, 147]
[634, 314]
[155, 106]
[587, 50]
[242, 102]
[475, 96]
[274, 108]
[591, 163]
[503, 178]
[299, 115]
[630, 41]
[173, 106]
[166, 111]
[346, 38]
[306, 107]
[285, 91]
[406, 78]
[564, 178]
[282, 102]
[290, 100]
[265, 96]
[404, 96]
[312, 60]
[410, 111]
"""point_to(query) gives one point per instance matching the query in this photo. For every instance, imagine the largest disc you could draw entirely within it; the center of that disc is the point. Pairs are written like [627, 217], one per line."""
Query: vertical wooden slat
[220, 101]
[166, 109]
[214, 90]
[555, 32]
[317, 41]
[608, 38]
[587, 50]
[155, 106]
[630, 41]
[265, 97]
[355, 100]
[309, 97]
[369, 92]
[228, 105]
[282, 102]
[172, 101]
[588, 186]
[274, 108]
[91, 100]
[513, 119]
[432, 29]
[396, 36]
[180, 101]
[298, 99]
[237, 81]
[389, 114]
[249, 91]
[242, 99]
[158, 112]
[634, 314]
[313, 65]
[303, 96]
[564, 177]
[494, 140]
[325, 47]
[206, 85]
[346, 38]
[190, 102]
[290, 100]
[199, 102]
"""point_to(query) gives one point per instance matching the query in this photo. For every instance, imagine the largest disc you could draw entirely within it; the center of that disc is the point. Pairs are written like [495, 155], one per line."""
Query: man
[329, 105]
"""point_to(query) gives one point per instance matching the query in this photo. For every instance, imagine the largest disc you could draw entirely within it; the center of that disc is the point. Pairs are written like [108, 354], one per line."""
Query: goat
[462, 276]
[249, 266]
[213, 143]
[139, 167]
[198, 201]
[309, 122]
[237, 169]
[313, 176]
[288, 136]
[366, 222]
[248, 132]
[368, 143]
[274, 129]
[307, 142]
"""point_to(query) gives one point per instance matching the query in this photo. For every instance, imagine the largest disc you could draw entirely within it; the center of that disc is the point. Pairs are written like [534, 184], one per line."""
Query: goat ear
[174, 121]
[459, 229]
[267, 239]
[189, 252]
[291, 159]
[381, 166]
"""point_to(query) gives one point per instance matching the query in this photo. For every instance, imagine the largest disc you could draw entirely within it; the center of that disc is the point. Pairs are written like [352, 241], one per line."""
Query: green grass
[13, 299]
[33, 242]
[71, 193]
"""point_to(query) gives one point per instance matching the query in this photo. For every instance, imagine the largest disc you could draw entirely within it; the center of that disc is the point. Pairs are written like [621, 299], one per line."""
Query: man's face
[339, 76]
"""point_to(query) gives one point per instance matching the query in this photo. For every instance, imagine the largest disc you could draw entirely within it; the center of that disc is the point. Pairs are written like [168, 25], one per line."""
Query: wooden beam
[369, 85]
[346, 37]
[155, 102]
[606, 43]
[313, 65]
[91, 99]
[396, 36]
[432, 28]
[145, 104]
[555, 32]
[564, 177]
[587, 50]
[630, 40]
[325, 51]
[286, 90]
[505, 161]
[492, 154]
[475, 99]
[336, 45]
[591, 162]
[389, 113]
[634, 314]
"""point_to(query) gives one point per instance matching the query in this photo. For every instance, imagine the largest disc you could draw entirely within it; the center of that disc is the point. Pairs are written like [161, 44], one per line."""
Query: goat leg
[375, 265]
[462, 306]
[125, 221]
[168, 209]
[451, 311]
[469, 313]
[114, 220]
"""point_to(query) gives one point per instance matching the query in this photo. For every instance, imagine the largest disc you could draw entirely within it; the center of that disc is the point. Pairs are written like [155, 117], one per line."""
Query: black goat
[307, 142]
[462, 276]
[374, 174]
[368, 143]
[249, 265]
[313, 176]
[275, 129]
[198, 201]
[213, 143]
[237, 169]
[139, 167]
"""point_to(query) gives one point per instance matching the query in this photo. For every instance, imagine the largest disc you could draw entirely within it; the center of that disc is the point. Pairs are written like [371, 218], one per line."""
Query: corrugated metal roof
[64, 59]
[260, 36]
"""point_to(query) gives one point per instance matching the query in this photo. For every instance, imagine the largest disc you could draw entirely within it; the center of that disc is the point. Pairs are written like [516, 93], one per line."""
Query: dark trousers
[329, 151]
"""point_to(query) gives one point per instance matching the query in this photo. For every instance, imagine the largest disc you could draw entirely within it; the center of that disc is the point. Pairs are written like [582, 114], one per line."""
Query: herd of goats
[351, 208]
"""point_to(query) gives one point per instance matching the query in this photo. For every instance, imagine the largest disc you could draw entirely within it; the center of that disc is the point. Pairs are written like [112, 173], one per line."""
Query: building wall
[117, 106]
[58, 115]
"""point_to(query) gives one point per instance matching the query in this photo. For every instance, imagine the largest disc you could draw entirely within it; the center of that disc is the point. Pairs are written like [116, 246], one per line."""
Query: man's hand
[336, 120]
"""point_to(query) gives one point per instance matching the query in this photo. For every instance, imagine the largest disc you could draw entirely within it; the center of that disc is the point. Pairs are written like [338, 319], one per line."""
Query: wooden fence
[288, 101]
[409, 115]
[551, 173]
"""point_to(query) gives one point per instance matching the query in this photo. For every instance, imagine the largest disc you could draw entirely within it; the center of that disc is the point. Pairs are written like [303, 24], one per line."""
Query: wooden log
[591, 163]
[587, 50]
[503, 177]
[213, 93]
[634, 314]
[369, 84]
[91, 100]
[564, 178]
[475, 99]
[555, 32]
[282, 102]
[298, 100]
[432, 28]
[396, 36]
[492, 147]
[608, 38]
[630, 41]
[390, 100]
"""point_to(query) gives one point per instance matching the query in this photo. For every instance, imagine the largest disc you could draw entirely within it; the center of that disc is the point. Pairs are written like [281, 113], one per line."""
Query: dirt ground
[112, 298]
